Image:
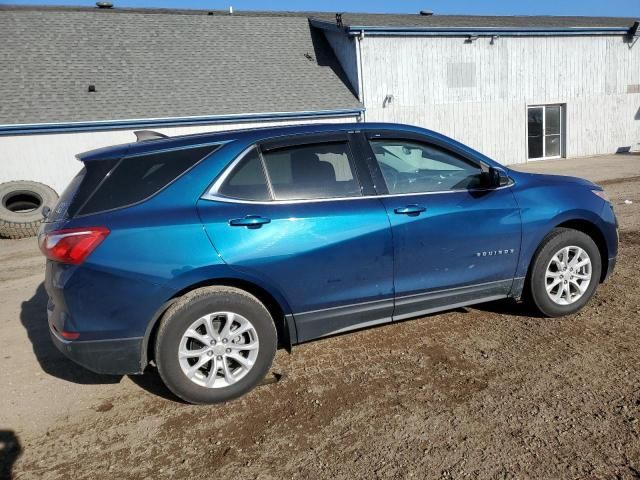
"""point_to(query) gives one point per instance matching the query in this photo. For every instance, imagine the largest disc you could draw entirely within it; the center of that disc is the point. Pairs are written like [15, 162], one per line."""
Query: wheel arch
[278, 308]
[588, 228]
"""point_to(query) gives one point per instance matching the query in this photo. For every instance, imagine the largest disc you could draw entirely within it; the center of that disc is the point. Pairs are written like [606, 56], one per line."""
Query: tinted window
[411, 167]
[94, 174]
[312, 171]
[247, 181]
[136, 178]
[61, 210]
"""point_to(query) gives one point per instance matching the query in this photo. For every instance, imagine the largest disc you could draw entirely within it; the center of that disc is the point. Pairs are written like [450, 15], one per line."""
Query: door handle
[412, 210]
[250, 221]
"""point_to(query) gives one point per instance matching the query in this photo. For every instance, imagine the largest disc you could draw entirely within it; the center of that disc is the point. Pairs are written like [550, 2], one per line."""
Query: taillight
[72, 245]
[70, 335]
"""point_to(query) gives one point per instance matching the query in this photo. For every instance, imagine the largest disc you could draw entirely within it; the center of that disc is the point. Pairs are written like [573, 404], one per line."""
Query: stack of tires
[21, 207]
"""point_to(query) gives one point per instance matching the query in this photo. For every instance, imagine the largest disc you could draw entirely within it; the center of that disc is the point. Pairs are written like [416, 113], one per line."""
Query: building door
[544, 132]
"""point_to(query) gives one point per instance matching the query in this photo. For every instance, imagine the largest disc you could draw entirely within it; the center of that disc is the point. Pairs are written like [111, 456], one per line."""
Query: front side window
[413, 167]
[323, 170]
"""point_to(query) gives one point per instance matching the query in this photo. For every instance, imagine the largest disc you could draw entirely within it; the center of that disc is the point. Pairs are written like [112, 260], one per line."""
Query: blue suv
[205, 253]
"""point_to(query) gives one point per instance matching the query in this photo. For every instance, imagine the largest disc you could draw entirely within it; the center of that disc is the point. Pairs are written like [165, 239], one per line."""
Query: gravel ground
[484, 392]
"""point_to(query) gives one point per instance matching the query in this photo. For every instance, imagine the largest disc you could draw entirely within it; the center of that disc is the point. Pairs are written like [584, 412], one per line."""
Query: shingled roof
[161, 64]
[473, 21]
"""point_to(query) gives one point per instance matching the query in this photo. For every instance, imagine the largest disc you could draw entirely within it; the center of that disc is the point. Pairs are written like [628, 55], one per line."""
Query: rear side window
[247, 181]
[323, 170]
[137, 178]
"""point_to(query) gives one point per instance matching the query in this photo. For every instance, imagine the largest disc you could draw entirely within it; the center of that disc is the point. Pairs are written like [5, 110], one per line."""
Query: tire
[543, 274]
[192, 309]
[21, 205]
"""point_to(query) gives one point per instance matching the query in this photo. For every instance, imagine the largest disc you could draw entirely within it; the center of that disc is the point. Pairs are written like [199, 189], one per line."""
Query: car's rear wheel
[565, 272]
[215, 344]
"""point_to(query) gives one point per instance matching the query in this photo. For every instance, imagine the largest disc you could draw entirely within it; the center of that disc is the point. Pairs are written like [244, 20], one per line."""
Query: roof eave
[353, 30]
[125, 124]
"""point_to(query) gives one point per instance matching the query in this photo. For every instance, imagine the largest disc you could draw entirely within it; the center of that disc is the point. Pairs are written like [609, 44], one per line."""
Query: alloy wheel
[218, 349]
[568, 275]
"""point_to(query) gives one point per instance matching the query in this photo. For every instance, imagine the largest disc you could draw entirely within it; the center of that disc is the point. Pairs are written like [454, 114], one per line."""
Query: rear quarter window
[135, 179]
[66, 200]
[247, 181]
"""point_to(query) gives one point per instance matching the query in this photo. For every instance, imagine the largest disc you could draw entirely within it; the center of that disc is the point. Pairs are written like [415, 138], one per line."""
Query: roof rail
[145, 135]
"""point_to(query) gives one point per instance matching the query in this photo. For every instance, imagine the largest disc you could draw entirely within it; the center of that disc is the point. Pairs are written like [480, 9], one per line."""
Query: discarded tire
[21, 205]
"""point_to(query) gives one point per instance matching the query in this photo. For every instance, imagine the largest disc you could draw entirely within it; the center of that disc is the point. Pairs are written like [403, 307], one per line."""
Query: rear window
[135, 179]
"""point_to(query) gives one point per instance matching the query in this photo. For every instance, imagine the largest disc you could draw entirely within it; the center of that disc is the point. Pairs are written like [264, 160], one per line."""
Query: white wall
[478, 92]
[50, 158]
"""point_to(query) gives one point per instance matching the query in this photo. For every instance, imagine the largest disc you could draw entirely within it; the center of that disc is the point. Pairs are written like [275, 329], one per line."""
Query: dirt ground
[483, 392]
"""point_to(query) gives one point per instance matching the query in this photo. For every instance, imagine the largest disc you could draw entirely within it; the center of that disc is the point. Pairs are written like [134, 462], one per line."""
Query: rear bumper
[109, 311]
[109, 357]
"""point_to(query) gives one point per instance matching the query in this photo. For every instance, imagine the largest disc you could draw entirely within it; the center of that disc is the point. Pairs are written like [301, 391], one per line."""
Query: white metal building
[515, 88]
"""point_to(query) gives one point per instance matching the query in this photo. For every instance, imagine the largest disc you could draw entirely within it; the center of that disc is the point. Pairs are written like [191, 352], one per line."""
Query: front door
[294, 216]
[544, 132]
[454, 242]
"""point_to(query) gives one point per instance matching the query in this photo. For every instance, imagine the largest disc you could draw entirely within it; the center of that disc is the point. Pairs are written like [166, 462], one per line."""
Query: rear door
[299, 214]
[455, 241]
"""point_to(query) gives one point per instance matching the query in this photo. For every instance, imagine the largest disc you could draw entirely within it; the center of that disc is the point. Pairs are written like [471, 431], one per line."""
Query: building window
[545, 129]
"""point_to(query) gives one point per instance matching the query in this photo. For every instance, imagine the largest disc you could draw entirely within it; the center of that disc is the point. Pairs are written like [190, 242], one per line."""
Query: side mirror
[494, 178]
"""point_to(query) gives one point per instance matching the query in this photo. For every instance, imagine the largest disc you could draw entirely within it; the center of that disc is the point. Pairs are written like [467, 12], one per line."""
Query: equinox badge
[491, 253]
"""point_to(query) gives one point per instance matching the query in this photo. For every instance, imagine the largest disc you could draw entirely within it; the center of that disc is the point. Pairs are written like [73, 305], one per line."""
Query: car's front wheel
[565, 272]
[215, 344]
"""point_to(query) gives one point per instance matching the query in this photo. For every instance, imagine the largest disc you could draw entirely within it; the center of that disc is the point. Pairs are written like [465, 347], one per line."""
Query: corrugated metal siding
[478, 92]
[50, 159]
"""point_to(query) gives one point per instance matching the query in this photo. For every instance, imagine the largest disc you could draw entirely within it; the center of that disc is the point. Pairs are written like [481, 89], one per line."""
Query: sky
[609, 8]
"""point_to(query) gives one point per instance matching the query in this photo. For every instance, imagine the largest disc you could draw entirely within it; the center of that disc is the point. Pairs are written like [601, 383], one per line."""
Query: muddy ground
[484, 392]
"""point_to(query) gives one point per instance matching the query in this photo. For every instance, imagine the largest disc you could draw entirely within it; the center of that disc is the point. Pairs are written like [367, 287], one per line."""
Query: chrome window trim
[228, 170]
[213, 195]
